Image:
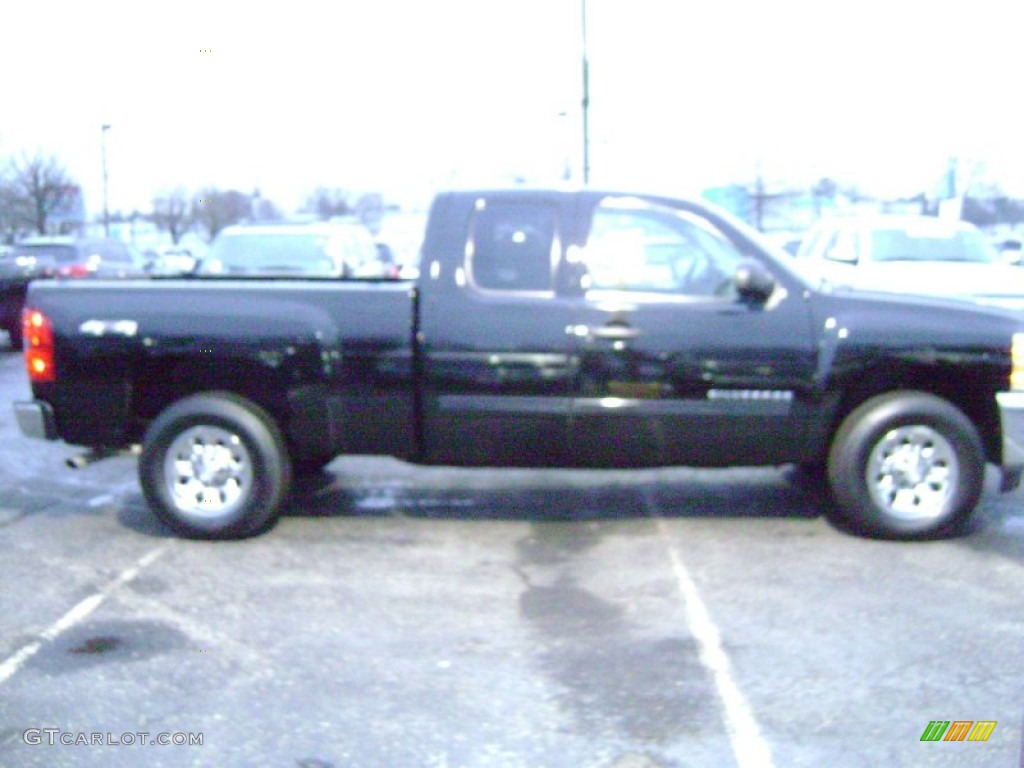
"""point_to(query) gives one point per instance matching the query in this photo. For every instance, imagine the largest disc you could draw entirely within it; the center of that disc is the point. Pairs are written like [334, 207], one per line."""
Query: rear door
[674, 368]
[495, 354]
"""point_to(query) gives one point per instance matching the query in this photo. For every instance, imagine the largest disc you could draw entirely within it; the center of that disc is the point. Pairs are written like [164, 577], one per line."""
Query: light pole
[586, 98]
[103, 152]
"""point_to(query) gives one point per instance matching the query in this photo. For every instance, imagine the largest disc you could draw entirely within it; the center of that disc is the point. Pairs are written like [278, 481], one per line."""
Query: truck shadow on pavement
[536, 496]
[565, 495]
[349, 491]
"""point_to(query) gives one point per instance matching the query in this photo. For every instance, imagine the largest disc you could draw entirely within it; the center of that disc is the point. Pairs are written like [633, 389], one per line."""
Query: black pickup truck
[548, 328]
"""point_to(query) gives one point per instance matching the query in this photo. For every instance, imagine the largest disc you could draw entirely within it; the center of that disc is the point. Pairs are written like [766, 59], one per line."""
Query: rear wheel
[214, 466]
[906, 465]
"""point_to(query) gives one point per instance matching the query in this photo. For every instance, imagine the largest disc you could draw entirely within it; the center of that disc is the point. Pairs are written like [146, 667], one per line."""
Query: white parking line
[77, 614]
[749, 747]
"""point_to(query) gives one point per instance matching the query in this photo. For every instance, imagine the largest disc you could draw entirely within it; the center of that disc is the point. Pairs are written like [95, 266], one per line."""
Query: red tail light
[37, 331]
[75, 270]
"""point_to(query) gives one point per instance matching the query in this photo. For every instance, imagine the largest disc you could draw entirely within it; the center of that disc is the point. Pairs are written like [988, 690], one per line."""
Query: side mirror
[754, 283]
[572, 278]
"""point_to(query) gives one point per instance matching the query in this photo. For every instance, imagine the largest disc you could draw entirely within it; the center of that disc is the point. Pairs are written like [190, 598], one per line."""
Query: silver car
[331, 250]
[911, 254]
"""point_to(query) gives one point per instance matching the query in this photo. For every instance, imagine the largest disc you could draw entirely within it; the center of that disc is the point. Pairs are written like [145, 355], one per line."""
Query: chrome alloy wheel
[912, 473]
[208, 471]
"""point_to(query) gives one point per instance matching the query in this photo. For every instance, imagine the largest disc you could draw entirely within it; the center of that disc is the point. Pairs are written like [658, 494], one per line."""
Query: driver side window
[639, 246]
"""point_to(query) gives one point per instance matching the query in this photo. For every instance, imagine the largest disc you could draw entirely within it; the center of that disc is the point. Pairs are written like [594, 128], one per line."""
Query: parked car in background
[322, 249]
[170, 260]
[15, 275]
[911, 254]
[40, 257]
[787, 241]
[66, 256]
[1010, 250]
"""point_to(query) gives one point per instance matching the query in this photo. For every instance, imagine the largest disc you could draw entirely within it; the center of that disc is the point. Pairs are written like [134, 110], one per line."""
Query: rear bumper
[35, 419]
[1011, 408]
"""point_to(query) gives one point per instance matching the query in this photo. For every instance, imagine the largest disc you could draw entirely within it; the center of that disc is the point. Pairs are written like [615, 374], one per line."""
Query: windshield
[931, 245]
[285, 253]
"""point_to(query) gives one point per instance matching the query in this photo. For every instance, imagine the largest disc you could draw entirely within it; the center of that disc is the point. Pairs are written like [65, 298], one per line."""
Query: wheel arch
[969, 392]
[158, 384]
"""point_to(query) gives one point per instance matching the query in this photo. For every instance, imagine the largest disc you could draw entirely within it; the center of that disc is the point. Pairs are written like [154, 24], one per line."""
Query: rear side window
[513, 246]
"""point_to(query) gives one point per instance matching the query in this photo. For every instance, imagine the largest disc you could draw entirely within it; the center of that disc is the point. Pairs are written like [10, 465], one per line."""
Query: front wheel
[214, 466]
[906, 465]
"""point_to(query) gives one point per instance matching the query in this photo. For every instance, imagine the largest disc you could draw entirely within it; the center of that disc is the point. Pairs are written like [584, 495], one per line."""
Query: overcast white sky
[403, 96]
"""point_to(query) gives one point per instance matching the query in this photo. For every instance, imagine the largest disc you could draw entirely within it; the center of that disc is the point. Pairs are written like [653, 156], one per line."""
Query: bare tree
[41, 189]
[262, 209]
[326, 202]
[370, 210]
[173, 214]
[14, 214]
[215, 209]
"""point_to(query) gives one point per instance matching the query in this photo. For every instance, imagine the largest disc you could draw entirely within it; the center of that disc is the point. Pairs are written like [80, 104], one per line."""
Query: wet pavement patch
[651, 689]
[655, 691]
[98, 645]
[553, 543]
[563, 610]
[94, 643]
[148, 585]
[9, 515]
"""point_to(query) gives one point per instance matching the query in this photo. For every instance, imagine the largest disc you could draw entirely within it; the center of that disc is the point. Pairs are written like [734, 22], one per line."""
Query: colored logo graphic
[958, 730]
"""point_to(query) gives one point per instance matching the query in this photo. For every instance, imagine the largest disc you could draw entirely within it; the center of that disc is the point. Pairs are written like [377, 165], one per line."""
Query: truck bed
[332, 358]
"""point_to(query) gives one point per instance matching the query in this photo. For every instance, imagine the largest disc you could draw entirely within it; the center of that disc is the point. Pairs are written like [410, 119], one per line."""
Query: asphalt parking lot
[404, 616]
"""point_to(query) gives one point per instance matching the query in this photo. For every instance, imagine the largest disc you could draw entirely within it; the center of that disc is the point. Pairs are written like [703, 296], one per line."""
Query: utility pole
[103, 152]
[586, 99]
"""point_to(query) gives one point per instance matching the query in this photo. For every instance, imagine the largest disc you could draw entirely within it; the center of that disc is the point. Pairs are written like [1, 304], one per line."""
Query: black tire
[906, 465]
[238, 477]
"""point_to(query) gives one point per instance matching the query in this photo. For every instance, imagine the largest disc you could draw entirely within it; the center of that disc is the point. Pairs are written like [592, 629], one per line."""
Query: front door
[674, 367]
